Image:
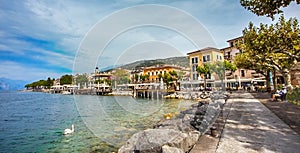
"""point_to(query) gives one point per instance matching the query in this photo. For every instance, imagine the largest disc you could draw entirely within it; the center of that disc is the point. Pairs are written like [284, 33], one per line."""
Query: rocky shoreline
[179, 134]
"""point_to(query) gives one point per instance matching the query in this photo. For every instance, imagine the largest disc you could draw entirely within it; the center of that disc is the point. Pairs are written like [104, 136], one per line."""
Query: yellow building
[154, 71]
[202, 56]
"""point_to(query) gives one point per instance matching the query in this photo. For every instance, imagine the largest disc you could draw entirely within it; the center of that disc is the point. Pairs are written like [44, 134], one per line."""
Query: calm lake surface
[34, 122]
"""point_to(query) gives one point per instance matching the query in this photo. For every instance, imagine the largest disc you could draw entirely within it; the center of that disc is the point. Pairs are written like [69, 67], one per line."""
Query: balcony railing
[230, 77]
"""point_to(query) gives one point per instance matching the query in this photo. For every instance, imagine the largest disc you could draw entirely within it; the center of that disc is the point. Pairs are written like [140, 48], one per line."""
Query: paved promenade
[250, 127]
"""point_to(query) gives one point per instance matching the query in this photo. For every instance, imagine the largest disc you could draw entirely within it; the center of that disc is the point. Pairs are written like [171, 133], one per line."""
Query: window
[194, 68]
[243, 73]
[206, 58]
[228, 56]
[195, 60]
[195, 76]
[208, 76]
[220, 57]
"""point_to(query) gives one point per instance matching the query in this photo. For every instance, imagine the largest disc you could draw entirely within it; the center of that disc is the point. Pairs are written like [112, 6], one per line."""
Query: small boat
[66, 93]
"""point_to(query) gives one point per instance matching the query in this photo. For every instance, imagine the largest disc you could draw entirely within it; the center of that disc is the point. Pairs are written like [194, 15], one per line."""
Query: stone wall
[176, 135]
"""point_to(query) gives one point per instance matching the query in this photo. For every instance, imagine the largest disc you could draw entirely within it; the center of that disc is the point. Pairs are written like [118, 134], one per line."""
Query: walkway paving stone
[251, 127]
[248, 126]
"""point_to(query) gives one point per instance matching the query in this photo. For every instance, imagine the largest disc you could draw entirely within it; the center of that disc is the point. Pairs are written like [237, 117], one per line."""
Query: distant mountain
[179, 61]
[9, 85]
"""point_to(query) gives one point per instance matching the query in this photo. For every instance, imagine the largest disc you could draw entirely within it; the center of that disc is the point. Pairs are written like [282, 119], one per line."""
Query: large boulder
[153, 140]
[176, 135]
[168, 149]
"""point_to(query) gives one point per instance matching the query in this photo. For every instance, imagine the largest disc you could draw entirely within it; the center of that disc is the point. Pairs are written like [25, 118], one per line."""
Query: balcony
[255, 75]
[228, 57]
[228, 73]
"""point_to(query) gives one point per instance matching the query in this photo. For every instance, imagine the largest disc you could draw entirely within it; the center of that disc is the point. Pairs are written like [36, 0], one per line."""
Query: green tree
[220, 68]
[245, 61]
[49, 83]
[180, 75]
[107, 81]
[144, 77]
[274, 47]
[174, 75]
[66, 79]
[121, 76]
[167, 78]
[136, 77]
[99, 81]
[267, 7]
[204, 70]
[37, 84]
[81, 79]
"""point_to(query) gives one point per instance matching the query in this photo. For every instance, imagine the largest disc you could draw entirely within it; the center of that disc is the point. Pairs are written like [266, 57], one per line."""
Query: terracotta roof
[241, 37]
[163, 66]
[225, 48]
[204, 49]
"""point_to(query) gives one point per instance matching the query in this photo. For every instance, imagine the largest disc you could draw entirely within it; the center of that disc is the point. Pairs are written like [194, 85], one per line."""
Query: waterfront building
[135, 75]
[154, 71]
[241, 77]
[199, 58]
[100, 75]
[99, 81]
[231, 51]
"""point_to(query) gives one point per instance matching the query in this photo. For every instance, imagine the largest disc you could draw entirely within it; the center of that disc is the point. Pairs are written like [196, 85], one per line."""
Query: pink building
[241, 77]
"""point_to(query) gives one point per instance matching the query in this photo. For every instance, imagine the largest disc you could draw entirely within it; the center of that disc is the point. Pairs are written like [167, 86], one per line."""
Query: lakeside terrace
[244, 125]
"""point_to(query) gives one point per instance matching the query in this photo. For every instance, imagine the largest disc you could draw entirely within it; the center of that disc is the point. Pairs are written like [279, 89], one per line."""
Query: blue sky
[40, 39]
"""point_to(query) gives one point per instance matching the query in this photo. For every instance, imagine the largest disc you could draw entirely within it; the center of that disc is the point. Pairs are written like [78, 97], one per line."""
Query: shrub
[294, 96]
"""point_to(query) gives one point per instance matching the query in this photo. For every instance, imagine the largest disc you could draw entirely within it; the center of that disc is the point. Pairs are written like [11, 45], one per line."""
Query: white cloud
[16, 71]
[53, 58]
[65, 23]
[148, 50]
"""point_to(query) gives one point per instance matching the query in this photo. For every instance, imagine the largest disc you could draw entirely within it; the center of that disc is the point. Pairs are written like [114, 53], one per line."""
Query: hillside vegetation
[179, 61]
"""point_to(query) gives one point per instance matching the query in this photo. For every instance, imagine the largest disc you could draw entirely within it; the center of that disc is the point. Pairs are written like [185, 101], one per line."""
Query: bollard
[214, 131]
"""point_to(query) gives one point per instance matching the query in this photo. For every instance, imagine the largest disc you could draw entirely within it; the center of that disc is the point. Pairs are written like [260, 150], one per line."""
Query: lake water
[34, 122]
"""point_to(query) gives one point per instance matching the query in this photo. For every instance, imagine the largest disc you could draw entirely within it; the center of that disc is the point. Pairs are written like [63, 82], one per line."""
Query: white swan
[69, 131]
